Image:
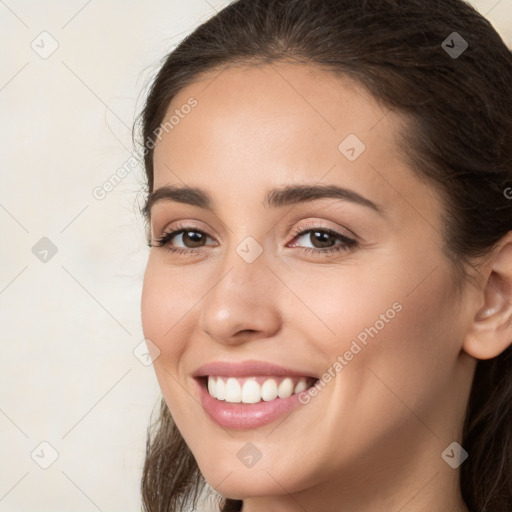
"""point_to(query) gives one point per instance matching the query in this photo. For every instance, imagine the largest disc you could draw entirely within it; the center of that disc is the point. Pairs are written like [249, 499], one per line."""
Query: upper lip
[246, 369]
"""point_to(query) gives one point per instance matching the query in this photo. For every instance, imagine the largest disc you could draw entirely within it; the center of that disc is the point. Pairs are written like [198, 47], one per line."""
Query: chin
[261, 480]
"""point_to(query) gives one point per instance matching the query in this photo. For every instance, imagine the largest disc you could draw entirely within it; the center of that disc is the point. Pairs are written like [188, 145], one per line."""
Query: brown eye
[323, 240]
[181, 239]
[192, 238]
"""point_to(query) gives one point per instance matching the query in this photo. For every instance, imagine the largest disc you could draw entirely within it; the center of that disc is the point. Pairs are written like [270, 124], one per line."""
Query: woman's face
[350, 283]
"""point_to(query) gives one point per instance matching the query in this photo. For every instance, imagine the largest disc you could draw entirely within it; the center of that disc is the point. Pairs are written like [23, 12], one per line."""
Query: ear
[490, 331]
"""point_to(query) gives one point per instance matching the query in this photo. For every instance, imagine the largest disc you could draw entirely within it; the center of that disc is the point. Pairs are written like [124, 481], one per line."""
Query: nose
[242, 304]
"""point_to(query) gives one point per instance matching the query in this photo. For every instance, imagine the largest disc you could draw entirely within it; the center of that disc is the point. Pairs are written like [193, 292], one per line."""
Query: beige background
[71, 322]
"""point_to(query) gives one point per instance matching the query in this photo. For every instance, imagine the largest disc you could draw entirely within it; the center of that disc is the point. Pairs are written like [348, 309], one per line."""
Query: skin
[372, 438]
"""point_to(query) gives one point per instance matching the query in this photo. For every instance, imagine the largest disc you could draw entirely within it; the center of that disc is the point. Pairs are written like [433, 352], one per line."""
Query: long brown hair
[459, 138]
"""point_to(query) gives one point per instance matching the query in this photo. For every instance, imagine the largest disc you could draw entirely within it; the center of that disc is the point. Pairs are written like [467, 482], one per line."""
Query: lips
[251, 393]
[250, 368]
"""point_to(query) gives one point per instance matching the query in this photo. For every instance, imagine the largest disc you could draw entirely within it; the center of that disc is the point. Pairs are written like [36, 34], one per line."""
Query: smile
[255, 389]
[249, 394]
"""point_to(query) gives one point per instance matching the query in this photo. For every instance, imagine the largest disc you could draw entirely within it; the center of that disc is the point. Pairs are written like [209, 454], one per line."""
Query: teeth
[220, 389]
[211, 386]
[300, 386]
[251, 390]
[285, 389]
[233, 393]
[269, 390]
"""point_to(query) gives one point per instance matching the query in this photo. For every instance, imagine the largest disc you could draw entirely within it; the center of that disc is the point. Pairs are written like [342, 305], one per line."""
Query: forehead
[276, 103]
[254, 127]
[282, 100]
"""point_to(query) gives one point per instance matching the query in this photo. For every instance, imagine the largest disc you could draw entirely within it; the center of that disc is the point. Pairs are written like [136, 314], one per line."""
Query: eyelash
[348, 243]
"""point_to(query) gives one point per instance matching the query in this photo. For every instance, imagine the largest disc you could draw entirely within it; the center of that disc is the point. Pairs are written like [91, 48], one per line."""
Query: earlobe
[490, 332]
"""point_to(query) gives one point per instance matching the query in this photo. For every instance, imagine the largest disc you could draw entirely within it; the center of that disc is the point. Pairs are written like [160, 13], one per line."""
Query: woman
[329, 286]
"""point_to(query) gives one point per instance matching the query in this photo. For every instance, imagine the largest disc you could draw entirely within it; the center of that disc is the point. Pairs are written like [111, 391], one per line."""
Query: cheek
[164, 307]
[407, 355]
[169, 306]
[387, 329]
[340, 304]
[164, 314]
[389, 303]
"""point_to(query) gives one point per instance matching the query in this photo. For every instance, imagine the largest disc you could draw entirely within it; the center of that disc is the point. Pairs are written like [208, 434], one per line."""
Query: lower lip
[245, 416]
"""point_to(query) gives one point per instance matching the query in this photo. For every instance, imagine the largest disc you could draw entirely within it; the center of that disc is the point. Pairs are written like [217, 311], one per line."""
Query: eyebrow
[275, 198]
